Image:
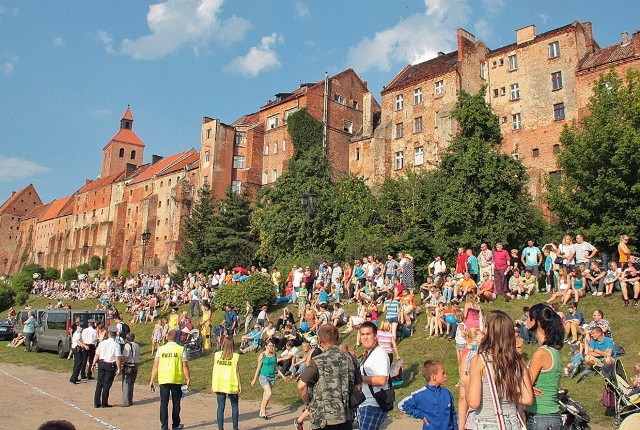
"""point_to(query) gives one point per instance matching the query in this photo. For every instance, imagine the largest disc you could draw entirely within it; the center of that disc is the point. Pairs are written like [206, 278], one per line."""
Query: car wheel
[61, 353]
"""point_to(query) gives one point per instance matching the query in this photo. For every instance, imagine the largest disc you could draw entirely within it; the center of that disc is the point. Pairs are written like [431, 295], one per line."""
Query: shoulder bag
[496, 399]
[386, 397]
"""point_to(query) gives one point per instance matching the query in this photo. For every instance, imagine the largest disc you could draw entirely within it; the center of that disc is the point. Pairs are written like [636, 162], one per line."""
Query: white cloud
[543, 17]
[414, 39]
[9, 65]
[100, 112]
[57, 41]
[106, 40]
[493, 6]
[176, 23]
[301, 9]
[258, 59]
[14, 168]
[482, 29]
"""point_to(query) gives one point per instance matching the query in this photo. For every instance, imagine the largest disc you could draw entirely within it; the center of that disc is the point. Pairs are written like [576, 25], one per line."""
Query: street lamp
[309, 201]
[145, 238]
[85, 251]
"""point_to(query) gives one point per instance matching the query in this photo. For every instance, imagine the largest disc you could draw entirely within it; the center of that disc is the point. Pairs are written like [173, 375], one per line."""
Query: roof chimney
[155, 158]
[367, 114]
[625, 38]
[440, 54]
[525, 34]
[635, 40]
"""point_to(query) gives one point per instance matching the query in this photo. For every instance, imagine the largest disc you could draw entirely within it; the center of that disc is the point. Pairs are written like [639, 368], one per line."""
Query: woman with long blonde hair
[498, 378]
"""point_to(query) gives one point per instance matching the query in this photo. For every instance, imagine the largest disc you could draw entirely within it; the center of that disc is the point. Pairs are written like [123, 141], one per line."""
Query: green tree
[69, 274]
[477, 193]
[599, 188]
[51, 274]
[94, 262]
[229, 235]
[285, 228]
[196, 253]
[258, 289]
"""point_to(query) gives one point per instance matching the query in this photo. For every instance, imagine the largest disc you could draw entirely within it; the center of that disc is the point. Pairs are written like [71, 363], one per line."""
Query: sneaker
[583, 375]
[595, 293]
[518, 297]
[526, 296]
[599, 293]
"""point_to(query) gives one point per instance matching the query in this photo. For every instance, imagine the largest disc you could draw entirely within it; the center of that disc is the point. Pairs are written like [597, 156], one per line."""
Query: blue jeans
[284, 299]
[544, 421]
[222, 399]
[195, 305]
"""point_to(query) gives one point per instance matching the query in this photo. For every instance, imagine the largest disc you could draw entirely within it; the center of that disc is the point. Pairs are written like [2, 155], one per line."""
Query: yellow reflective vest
[170, 364]
[224, 377]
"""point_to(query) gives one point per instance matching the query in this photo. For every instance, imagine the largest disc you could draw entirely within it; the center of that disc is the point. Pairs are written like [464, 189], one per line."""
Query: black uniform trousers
[106, 374]
[78, 359]
[88, 357]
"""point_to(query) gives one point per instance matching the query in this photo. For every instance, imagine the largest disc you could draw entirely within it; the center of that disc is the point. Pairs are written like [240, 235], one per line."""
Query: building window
[556, 148]
[554, 49]
[265, 177]
[236, 187]
[133, 154]
[418, 156]
[501, 61]
[515, 91]
[284, 145]
[503, 91]
[121, 153]
[513, 62]
[347, 126]
[357, 156]
[535, 152]
[399, 102]
[238, 162]
[337, 97]
[556, 81]
[207, 156]
[436, 120]
[399, 130]
[240, 138]
[275, 147]
[516, 121]
[354, 104]
[266, 149]
[515, 155]
[289, 112]
[558, 111]
[417, 96]
[272, 122]
[399, 160]
[495, 92]
[483, 71]
[275, 174]
[439, 87]
[208, 133]
[417, 124]
[205, 180]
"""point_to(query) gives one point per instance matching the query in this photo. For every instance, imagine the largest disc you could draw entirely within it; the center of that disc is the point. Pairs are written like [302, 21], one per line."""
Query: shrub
[51, 274]
[6, 295]
[104, 262]
[21, 298]
[33, 268]
[125, 272]
[83, 268]
[94, 263]
[22, 282]
[69, 274]
[257, 288]
[114, 272]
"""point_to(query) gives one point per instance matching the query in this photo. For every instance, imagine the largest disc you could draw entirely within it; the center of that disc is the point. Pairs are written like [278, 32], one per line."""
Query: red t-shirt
[501, 259]
[461, 262]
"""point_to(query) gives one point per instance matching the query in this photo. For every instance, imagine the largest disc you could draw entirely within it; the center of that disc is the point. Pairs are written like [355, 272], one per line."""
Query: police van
[54, 328]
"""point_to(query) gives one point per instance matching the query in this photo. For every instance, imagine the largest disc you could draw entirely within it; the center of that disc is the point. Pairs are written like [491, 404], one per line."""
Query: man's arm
[187, 372]
[154, 373]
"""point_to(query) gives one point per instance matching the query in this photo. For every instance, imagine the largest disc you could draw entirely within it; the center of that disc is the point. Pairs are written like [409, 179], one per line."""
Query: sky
[69, 69]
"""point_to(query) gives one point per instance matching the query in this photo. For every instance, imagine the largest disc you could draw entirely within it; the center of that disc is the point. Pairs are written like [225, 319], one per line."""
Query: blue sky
[69, 69]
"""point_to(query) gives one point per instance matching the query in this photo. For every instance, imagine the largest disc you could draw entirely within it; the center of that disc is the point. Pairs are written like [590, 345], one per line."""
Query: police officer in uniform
[78, 347]
[171, 366]
[107, 362]
[90, 338]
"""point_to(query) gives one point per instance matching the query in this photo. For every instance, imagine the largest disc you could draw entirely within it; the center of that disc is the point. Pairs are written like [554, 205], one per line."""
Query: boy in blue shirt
[433, 404]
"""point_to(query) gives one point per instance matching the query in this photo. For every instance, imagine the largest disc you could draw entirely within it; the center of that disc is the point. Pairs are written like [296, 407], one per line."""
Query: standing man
[390, 268]
[107, 362]
[584, 250]
[195, 301]
[437, 269]
[531, 257]
[90, 338]
[326, 385]
[472, 265]
[29, 330]
[171, 366]
[79, 356]
[461, 261]
[130, 361]
[501, 259]
[485, 260]
[375, 369]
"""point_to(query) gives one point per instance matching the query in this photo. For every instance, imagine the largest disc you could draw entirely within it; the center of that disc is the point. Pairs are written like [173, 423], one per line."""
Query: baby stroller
[193, 344]
[574, 415]
[626, 398]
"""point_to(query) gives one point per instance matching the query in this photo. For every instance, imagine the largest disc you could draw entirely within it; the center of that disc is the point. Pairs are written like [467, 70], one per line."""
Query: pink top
[501, 259]
[384, 340]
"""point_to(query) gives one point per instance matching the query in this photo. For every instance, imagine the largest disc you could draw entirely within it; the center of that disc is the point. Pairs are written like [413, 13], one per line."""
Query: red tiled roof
[189, 163]
[127, 114]
[610, 54]
[125, 135]
[37, 211]
[163, 165]
[7, 205]
[55, 209]
[248, 119]
[100, 182]
[536, 39]
[423, 71]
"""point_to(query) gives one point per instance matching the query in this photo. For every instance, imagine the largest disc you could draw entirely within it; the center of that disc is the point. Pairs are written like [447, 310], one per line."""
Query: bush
[6, 296]
[114, 272]
[258, 288]
[22, 282]
[124, 272]
[51, 274]
[69, 274]
[83, 268]
[103, 264]
[33, 268]
[21, 298]
[94, 263]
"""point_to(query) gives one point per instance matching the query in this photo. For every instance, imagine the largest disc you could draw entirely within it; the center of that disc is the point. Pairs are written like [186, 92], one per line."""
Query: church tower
[124, 148]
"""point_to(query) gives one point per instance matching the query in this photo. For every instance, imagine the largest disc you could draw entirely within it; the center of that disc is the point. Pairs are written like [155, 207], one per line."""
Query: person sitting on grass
[529, 283]
[516, 288]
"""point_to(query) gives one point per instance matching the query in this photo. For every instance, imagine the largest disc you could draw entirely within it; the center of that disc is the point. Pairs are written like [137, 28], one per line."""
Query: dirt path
[29, 397]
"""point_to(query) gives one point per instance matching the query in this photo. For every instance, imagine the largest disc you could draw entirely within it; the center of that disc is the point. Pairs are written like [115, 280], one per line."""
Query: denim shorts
[544, 421]
[266, 380]
[392, 320]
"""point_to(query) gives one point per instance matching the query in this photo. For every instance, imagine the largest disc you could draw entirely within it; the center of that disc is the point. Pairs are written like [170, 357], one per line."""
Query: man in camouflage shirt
[326, 385]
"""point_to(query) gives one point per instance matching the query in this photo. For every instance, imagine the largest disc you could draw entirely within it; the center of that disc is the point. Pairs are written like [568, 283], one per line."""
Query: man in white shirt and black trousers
[107, 362]
[90, 338]
[78, 347]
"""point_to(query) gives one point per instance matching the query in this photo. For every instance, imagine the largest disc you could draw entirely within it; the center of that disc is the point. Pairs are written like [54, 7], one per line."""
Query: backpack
[124, 330]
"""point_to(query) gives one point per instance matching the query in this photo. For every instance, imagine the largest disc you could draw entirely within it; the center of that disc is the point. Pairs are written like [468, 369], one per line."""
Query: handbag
[496, 399]
[386, 397]
[356, 398]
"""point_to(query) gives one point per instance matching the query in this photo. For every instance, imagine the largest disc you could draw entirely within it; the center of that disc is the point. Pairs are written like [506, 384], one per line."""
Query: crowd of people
[300, 342]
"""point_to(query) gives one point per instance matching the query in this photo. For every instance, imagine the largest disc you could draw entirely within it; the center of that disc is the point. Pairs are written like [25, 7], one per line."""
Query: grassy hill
[414, 350]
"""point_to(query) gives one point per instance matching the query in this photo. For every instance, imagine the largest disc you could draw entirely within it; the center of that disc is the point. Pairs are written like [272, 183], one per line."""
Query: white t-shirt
[77, 335]
[377, 364]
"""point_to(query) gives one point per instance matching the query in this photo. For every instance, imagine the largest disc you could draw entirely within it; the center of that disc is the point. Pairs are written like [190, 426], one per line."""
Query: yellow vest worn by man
[170, 364]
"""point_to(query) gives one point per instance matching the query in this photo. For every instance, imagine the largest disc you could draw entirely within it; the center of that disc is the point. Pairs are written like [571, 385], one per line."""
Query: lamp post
[39, 255]
[85, 251]
[145, 238]
[309, 201]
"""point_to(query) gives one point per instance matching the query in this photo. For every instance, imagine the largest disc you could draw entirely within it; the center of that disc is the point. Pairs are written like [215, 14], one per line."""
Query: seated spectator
[595, 279]
[577, 287]
[574, 323]
[338, 316]
[601, 349]
[612, 279]
[251, 341]
[529, 283]
[630, 283]
[286, 359]
[285, 318]
[516, 287]
[486, 289]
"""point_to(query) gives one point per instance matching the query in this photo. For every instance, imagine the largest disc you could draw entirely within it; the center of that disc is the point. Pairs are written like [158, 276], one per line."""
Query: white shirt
[297, 278]
[90, 336]
[77, 335]
[438, 267]
[289, 352]
[376, 364]
[108, 350]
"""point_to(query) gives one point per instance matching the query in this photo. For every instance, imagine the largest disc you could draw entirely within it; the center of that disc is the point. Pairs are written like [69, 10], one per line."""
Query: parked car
[7, 331]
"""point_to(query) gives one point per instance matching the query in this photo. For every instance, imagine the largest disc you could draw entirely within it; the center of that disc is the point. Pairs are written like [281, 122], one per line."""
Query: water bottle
[152, 388]
[185, 390]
